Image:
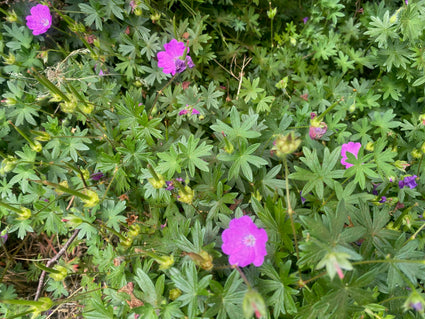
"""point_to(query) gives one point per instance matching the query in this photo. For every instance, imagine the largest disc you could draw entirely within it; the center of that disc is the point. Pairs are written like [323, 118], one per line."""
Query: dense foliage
[134, 167]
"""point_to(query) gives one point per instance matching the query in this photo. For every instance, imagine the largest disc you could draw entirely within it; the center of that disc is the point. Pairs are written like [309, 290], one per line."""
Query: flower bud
[44, 304]
[24, 214]
[8, 164]
[72, 221]
[370, 146]
[63, 272]
[157, 180]
[69, 106]
[134, 230]
[416, 153]
[42, 136]
[271, 13]
[93, 199]
[203, 259]
[186, 195]
[401, 165]
[415, 301]
[64, 184]
[86, 108]
[422, 119]
[36, 146]
[12, 16]
[11, 59]
[175, 293]
[282, 84]
[317, 130]
[138, 11]
[253, 303]
[126, 242]
[287, 144]
[165, 262]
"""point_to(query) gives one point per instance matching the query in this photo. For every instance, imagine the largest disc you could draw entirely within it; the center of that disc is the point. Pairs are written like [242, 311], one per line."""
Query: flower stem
[290, 213]
[243, 276]
[321, 116]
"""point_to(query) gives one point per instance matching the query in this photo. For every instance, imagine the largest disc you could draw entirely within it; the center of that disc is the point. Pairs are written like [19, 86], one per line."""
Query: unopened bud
[86, 108]
[36, 146]
[72, 221]
[370, 147]
[287, 144]
[42, 136]
[64, 184]
[24, 214]
[416, 153]
[253, 304]
[11, 59]
[93, 199]
[8, 164]
[165, 262]
[12, 16]
[10, 101]
[69, 106]
[186, 195]
[282, 84]
[59, 276]
[175, 293]
[271, 13]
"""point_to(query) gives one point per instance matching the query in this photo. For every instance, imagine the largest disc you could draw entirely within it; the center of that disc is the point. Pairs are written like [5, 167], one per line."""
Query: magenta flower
[183, 112]
[349, 147]
[40, 19]
[171, 61]
[195, 112]
[244, 242]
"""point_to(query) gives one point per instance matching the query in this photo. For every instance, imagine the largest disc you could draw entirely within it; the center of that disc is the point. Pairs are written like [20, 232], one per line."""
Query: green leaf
[93, 15]
[194, 291]
[191, 154]
[318, 175]
[170, 162]
[242, 160]
[239, 131]
[250, 90]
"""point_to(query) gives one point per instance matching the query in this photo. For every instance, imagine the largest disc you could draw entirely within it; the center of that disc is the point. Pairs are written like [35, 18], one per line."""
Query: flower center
[249, 240]
[45, 22]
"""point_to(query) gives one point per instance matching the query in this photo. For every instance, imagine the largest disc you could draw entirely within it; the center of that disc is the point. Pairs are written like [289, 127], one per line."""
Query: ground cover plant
[212, 159]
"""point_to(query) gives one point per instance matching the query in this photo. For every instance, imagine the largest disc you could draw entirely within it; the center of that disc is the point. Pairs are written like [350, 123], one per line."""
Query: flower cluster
[40, 19]
[188, 109]
[349, 147]
[244, 242]
[408, 181]
[174, 59]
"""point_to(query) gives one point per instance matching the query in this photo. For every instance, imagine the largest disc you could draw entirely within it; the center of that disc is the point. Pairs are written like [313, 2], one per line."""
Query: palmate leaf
[318, 175]
[282, 300]
[384, 159]
[242, 160]
[376, 235]
[227, 300]
[240, 130]
[361, 168]
[170, 162]
[191, 154]
[194, 290]
[211, 96]
[218, 202]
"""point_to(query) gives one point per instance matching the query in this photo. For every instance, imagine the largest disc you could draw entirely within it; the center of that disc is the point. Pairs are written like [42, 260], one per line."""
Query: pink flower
[349, 147]
[183, 112]
[244, 242]
[40, 19]
[195, 112]
[170, 60]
